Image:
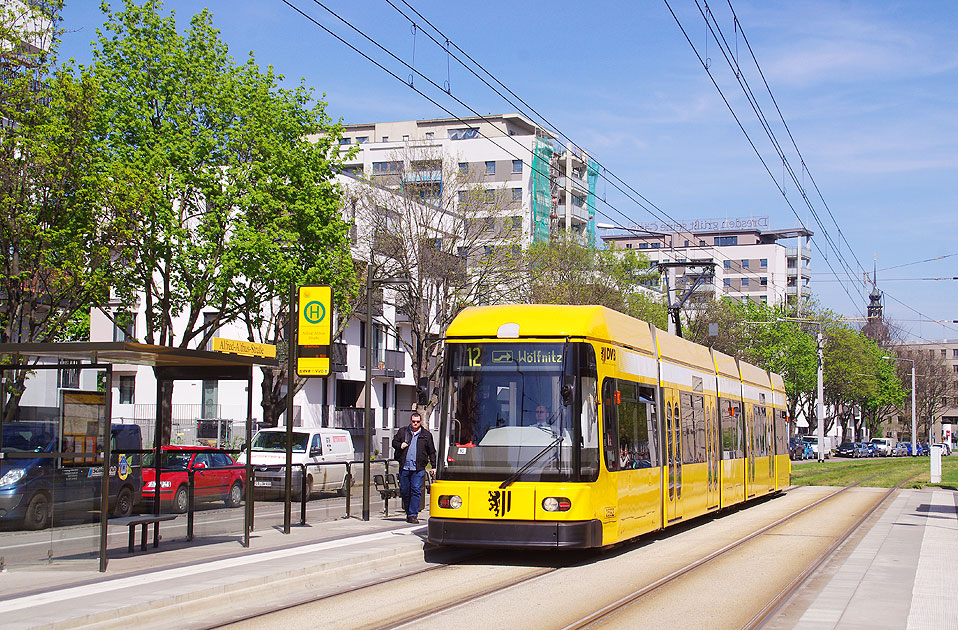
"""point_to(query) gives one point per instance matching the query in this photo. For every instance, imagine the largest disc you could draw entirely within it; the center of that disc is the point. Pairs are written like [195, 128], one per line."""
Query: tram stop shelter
[70, 462]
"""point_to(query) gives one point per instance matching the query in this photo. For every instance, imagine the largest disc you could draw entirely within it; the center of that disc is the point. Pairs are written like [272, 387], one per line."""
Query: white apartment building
[751, 262]
[552, 185]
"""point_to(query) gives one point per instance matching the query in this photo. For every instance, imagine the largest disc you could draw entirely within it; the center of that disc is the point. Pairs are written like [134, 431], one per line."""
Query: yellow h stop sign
[315, 331]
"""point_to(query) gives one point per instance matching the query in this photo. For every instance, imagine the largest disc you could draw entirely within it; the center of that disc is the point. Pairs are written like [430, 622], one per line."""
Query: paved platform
[900, 572]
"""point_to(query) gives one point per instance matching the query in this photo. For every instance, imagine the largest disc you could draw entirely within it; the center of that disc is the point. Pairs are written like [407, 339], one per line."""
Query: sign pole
[291, 342]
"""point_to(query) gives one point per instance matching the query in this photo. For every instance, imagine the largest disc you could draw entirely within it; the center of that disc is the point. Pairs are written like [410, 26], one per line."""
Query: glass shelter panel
[53, 440]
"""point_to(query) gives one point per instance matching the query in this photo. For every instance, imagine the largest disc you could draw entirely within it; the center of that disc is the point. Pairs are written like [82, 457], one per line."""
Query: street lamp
[914, 429]
[368, 422]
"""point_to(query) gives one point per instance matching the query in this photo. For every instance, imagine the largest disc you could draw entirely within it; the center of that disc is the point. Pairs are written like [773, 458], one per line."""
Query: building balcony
[348, 418]
[793, 252]
[579, 213]
[574, 183]
[388, 363]
[337, 358]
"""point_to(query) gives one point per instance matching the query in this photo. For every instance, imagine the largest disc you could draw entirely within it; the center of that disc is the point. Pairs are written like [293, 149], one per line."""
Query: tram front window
[505, 408]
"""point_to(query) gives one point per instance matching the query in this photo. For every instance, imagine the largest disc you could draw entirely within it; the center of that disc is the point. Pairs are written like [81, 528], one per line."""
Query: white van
[813, 442]
[310, 446]
[884, 446]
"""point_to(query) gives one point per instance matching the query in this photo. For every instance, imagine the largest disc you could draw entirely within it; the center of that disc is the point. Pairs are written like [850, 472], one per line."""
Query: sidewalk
[901, 574]
[183, 585]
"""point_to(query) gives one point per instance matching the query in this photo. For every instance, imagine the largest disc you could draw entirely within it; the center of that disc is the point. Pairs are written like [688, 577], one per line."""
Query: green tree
[567, 271]
[232, 202]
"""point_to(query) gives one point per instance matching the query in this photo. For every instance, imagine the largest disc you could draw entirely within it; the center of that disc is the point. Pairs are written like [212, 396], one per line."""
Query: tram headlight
[556, 504]
[450, 502]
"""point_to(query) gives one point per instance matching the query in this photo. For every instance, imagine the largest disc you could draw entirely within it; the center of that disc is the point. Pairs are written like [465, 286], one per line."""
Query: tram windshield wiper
[525, 467]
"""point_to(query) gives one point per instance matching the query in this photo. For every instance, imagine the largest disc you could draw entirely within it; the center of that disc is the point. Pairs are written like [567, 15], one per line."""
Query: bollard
[302, 496]
[349, 487]
[189, 509]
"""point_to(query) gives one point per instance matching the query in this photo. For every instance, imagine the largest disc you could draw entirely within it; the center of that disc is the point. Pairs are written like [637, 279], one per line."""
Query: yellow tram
[578, 426]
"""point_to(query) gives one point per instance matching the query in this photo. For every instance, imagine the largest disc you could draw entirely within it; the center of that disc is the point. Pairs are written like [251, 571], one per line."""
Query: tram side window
[589, 462]
[688, 429]
[760, 427]
[781, 434]
[610, 432]
[635, 420]
[731, 429]
[701, 440]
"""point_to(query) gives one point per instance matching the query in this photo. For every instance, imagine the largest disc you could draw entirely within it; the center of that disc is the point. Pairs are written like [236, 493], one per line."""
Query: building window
[728, 264]
[517, 166]
[488, 250]
[744, 282]
[463, 134]
[701, 242]
[686, 243]
[405, 138]
[943, 353]
[463, 252]
[362, 139]
[763, 262]
[490, 195]
[464, 168]
[462, 196]
[385, 139]
[68, 378]
[382, 168]
[656, 245]
[955, 353]
[123, 326]
[764, 299]
[517, 194]
[430, 135]
[643, 245]
[126, 389]
[764, 282]
[517, 223]
[744, 264]
[726, 240]
[955, 367]
[343, 141]
[726, 282]
[490, 168]
[628, 245]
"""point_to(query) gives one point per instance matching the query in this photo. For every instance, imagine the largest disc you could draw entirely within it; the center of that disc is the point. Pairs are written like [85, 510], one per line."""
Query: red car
[217, 475]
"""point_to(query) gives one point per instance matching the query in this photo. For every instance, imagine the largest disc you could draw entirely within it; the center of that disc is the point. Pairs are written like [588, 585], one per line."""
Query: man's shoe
[412, 519]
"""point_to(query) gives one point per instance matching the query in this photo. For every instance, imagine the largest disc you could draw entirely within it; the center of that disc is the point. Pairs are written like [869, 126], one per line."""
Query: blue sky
[868, 89]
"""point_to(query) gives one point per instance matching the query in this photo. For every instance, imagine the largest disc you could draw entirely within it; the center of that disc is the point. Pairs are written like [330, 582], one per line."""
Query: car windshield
[170, 460]
[505, 411]
[29, 437]
[276, 441]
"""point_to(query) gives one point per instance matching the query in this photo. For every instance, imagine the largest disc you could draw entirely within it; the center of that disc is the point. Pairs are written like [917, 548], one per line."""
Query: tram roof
[778, 383]
[725, 365]
[673, 347]
[553, 320]
[754, 375]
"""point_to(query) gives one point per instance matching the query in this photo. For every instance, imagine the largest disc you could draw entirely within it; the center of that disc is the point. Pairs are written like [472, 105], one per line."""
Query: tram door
[749, 417]
[712, 454]
[673, 455]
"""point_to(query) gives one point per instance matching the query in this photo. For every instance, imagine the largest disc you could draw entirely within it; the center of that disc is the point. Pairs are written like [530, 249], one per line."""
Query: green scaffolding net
[592, 176]
[541, 193]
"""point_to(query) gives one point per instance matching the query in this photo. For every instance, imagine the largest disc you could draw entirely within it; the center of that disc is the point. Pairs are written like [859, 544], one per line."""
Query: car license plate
[261, 484]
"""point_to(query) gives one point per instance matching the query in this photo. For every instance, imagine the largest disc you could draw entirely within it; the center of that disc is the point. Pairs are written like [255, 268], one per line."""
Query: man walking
[414, 448]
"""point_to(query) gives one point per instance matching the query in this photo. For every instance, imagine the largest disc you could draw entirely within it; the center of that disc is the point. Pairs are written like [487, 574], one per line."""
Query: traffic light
[422, 390]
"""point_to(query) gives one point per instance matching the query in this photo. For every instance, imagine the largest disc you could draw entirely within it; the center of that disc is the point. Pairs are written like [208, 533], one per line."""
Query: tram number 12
[472, 356]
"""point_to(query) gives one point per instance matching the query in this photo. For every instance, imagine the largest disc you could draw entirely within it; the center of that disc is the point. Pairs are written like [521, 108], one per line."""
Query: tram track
[596, 618]
[476, 583]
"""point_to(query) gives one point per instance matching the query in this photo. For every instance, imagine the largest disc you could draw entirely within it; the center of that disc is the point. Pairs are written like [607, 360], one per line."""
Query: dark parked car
[36, 483]
[849, 449]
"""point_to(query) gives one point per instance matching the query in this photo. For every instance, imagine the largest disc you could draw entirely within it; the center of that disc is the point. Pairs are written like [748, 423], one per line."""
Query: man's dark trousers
[410, 489]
